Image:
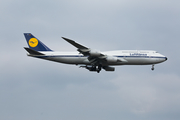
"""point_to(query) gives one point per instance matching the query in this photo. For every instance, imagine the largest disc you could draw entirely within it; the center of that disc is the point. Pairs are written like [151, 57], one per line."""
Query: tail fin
[34, 43]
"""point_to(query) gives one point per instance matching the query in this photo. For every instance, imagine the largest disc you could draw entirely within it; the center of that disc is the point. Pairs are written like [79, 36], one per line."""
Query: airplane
[91, 59]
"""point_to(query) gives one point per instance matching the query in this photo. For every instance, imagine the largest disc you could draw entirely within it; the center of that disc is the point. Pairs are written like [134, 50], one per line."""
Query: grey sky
[36, 89]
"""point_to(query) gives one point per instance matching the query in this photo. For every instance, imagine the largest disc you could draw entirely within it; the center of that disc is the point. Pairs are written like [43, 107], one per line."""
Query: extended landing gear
[152, 67]
[93, 68]
[96, 68]
[99, 68]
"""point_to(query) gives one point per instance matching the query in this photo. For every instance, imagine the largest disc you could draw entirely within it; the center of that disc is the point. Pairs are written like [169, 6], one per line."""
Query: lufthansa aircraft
[91, 59]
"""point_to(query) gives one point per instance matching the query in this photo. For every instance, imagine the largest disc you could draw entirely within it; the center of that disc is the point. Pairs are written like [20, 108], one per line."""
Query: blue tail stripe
[34, 43]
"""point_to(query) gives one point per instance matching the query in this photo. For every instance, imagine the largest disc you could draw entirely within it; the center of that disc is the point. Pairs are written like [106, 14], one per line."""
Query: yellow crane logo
[33, 42]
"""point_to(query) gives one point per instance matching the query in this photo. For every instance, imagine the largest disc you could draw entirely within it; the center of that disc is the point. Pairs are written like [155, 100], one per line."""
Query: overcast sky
[34, 89]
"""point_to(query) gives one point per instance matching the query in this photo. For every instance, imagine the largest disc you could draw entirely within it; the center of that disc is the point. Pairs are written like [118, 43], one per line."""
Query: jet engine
[107, 68]
[112, 59]
[94, 53]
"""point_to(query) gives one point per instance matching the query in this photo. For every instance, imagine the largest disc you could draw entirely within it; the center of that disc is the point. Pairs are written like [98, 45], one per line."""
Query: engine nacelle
[112, 59]
[94, 53]
[107, 68]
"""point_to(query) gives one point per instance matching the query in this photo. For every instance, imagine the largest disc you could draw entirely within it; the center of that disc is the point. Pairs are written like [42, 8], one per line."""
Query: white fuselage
[125, 57]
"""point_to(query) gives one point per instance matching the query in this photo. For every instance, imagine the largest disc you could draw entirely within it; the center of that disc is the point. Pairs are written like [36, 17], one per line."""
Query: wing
[95, 58]
[84, 50]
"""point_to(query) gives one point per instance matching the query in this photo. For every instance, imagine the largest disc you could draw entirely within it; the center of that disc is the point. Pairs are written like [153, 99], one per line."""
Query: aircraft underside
[98, 66]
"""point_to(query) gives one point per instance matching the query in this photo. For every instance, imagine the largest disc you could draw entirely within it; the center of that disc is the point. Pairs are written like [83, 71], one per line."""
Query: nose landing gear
[152, 67]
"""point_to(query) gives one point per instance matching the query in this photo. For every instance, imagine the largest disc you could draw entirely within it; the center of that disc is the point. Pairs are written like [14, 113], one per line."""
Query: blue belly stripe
[114, 56]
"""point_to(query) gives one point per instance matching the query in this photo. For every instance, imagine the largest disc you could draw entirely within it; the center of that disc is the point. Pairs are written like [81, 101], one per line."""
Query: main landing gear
[93, 68]
[152, 67]
[99, 68]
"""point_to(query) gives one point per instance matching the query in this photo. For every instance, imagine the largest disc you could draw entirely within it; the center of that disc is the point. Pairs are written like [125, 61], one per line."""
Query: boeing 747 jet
[91, 59]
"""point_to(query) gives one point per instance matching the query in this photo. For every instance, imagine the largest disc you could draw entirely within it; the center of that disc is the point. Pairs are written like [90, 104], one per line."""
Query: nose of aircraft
[166, 58]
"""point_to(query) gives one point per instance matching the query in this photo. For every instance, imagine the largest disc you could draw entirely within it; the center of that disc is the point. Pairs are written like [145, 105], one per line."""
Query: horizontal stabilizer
[32, 52]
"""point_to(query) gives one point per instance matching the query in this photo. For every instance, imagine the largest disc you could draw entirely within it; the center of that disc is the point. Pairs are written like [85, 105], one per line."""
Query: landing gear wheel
[99, 68]
[152, 67]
